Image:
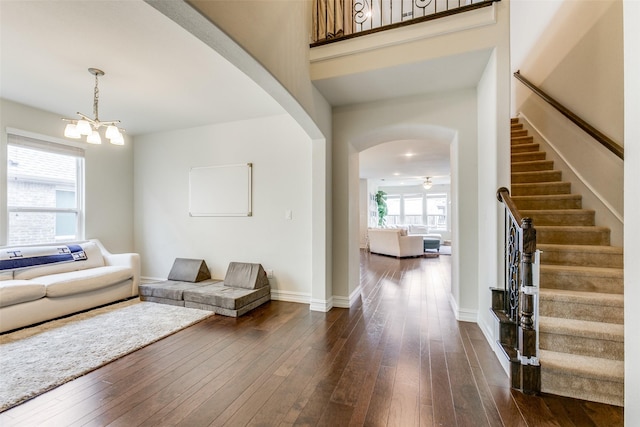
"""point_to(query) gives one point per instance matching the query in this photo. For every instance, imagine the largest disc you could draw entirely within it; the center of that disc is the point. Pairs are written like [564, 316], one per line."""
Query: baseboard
[344, 302]
[289, 296]
[462, 315]
[321, 305]
[491, 334]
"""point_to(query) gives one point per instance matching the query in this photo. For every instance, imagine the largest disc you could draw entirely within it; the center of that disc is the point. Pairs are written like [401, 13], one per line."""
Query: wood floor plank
[398, 357]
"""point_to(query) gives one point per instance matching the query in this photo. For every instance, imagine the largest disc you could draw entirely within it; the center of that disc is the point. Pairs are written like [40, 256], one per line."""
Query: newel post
[529, 293]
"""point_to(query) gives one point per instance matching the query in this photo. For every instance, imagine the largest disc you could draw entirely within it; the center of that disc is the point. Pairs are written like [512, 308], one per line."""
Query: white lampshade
[111, 132]
[84, 127]
[118, 139]
[94, 138]
[71, 131]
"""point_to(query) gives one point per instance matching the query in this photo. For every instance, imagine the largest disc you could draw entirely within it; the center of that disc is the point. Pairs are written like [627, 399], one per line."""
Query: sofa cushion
[245, 275]
[17, 291]
[6, 275]
[94, 259]
[75, 282]
[220, 295]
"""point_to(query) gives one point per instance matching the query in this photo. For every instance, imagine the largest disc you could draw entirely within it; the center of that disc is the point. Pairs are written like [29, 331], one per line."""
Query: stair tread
[576, 270]
[583, 366]
[582, 328]
[580, 248]
[523, 184]
[557, 211]
[547, 196]
[574, 227]
[603, 299]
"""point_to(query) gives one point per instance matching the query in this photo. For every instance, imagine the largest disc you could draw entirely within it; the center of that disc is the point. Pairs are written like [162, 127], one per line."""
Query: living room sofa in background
[394, 242]
[39, 283]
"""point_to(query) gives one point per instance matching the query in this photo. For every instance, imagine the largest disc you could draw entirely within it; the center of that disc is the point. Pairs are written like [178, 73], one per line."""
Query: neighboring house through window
[45, 182]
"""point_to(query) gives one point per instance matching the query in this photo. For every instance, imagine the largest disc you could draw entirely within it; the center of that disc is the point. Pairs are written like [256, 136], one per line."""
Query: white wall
[632, 207]
[108, 177]
[298, 97]
[281, 155]
[489, 158]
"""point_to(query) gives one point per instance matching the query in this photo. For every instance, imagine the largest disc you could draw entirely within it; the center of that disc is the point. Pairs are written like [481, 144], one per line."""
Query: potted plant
[381, 201]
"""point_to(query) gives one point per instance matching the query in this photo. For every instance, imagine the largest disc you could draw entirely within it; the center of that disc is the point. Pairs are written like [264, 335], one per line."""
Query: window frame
[46, 144]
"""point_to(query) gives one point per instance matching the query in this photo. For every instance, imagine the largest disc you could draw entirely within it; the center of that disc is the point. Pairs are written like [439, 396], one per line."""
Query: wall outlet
[269, 273]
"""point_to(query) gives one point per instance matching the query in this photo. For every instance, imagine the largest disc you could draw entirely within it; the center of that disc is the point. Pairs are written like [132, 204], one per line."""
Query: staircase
[581, 281]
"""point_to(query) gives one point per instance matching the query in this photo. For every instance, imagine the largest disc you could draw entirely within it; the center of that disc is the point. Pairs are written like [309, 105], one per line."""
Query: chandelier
[427, 184]
[89, 127]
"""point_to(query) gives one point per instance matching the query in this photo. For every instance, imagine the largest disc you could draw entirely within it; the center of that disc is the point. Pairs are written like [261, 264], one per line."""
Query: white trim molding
[321, 305]
[289, 296]
[347, 302]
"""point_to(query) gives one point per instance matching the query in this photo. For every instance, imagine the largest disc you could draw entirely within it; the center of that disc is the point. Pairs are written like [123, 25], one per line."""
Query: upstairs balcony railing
[335, 20]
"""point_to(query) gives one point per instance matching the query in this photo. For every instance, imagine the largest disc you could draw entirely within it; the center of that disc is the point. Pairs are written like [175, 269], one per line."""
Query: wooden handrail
[603, 139]
[503, 196]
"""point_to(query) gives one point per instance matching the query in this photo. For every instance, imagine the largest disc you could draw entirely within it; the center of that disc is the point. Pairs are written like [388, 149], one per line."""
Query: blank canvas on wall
[220, 190]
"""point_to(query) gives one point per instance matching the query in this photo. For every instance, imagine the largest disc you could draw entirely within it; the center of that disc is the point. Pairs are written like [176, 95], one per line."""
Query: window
[437, 211]
[418, 208]
[393, 210]
[412, 208]
[44, 191]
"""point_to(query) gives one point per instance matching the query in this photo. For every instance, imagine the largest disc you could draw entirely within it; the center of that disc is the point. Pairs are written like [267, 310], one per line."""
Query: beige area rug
[37, 359]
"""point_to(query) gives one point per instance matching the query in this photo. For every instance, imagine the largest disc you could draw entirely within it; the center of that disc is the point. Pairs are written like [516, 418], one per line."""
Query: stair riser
[578, 311]
[559, 219]
[537, 203]
[562, 236]
[592, 347]
[540, 190]
[533, 166]
[527, 157]
[518, 132]
[577, 258]
[541, 176]
[516, 126]
[525, 148]
[568, 282]
[556, 382]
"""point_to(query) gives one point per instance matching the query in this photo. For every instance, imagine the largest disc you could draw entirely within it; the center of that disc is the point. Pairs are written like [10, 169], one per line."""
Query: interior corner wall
[632, 207]
[362, 126]
[108, 177]
[281, 156]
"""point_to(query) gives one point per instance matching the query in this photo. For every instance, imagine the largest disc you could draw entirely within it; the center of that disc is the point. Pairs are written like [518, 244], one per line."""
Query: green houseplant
[381, 201]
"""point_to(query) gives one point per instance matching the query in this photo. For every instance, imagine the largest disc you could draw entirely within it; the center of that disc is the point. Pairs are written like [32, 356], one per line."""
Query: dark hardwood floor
[397, 358]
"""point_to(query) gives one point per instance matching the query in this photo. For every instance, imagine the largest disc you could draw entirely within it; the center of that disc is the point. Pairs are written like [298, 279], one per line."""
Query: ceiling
[159, 77]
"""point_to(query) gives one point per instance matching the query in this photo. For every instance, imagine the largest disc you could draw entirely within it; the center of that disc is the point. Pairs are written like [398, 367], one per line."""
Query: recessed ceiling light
[409, 154]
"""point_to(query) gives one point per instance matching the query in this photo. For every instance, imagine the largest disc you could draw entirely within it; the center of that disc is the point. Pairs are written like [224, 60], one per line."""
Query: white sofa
[54, 285]
[394, 242]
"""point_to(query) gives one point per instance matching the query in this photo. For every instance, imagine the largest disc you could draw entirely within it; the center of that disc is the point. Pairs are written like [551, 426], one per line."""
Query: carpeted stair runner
[581, 281]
